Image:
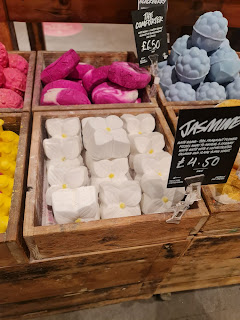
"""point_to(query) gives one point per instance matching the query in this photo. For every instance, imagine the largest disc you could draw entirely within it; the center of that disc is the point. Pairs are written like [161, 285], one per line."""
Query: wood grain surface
[98, 59]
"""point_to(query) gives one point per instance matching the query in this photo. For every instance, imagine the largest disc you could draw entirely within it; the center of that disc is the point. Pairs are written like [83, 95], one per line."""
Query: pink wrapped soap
[108, 92]
[95, 77]
[15, 80]
[64, 97]
[80, 70]
[129, 75]
[3, 56]
[10, 99]
[61, 68]
[2, 77]
[67, 84]
[18, 62]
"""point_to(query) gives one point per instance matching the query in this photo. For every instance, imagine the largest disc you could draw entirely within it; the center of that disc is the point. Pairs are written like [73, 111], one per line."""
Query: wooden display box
[68, 239]
[163, 103]
[97, 59]
[12, 248]
[27, 103]
[223, 218]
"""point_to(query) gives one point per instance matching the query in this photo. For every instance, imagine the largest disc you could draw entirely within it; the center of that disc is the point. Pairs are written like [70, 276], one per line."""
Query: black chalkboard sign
[145, 4]
[207, 142]
[150, 34]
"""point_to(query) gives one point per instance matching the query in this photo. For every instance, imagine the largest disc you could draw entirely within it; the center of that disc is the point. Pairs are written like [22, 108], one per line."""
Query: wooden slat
[36, 36]
[209, 261]
[58, 240]
[12, 246]
[98, 59]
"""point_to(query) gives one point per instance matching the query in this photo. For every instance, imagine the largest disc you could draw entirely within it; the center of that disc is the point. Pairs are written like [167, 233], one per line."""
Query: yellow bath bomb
[3, 223]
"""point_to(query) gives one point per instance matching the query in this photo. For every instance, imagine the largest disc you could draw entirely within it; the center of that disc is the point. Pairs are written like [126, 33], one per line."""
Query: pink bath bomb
[67, 84]
[80, 70]
[108, 92]
[2, 77]
[3, 56]
[61, 68]
[95, 77]
[129, 75]
[139, 100]
[15, 80]
[10, 99]
[18, 62]
[63, 97]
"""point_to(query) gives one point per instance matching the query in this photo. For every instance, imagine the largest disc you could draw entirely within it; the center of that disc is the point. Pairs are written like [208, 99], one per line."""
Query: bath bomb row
[13, 79]
[8, 152]
[204, 61]
[69, 82]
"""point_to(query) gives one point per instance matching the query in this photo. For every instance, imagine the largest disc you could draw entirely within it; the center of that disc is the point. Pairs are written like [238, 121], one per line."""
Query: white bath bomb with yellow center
[58, 148]
[68, 127]
[141, 124]
[71, 177]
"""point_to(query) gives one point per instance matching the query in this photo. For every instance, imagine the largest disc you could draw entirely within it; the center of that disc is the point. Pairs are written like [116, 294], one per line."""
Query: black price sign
[150, 34]
[145, 4]
[207, 142]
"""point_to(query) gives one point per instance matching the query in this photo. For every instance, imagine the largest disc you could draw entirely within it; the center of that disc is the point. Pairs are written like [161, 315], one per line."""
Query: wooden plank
[12, 249]
[58, 240]
[36, 36]
[208, 262]
[27, 102]
[87, 272]
[7, 34]
[97, 59]
[76, 301]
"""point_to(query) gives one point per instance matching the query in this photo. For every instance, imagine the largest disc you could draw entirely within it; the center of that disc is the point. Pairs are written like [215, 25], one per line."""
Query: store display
[107, 84]
[210, 91]
[8, 151]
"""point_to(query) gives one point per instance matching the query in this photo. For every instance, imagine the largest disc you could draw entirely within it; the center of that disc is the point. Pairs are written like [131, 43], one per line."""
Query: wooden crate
[209, 262]
[163, 103]
[27, 103]
[97, 59]
[223, 218]
[87, 273]
[12, 247]
[68, 239]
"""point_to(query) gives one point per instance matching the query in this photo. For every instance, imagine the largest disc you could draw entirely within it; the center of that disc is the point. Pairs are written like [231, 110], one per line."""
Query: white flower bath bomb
[59, 148]
[69, 177]
[104, 138]
[163, 203]
[72, 204]
[64, 163]
[120, 200]
[69, 127]
[142, 123]
[142, 162]
[146, 143]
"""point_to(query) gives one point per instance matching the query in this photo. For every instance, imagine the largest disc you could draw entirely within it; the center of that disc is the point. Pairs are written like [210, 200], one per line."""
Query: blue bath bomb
[193, 66]
[210, 31]
[233, 89]
[167, 77]
[225, 65]
[210, 91]
[162, 64]
[178, 47]
[180, 92]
